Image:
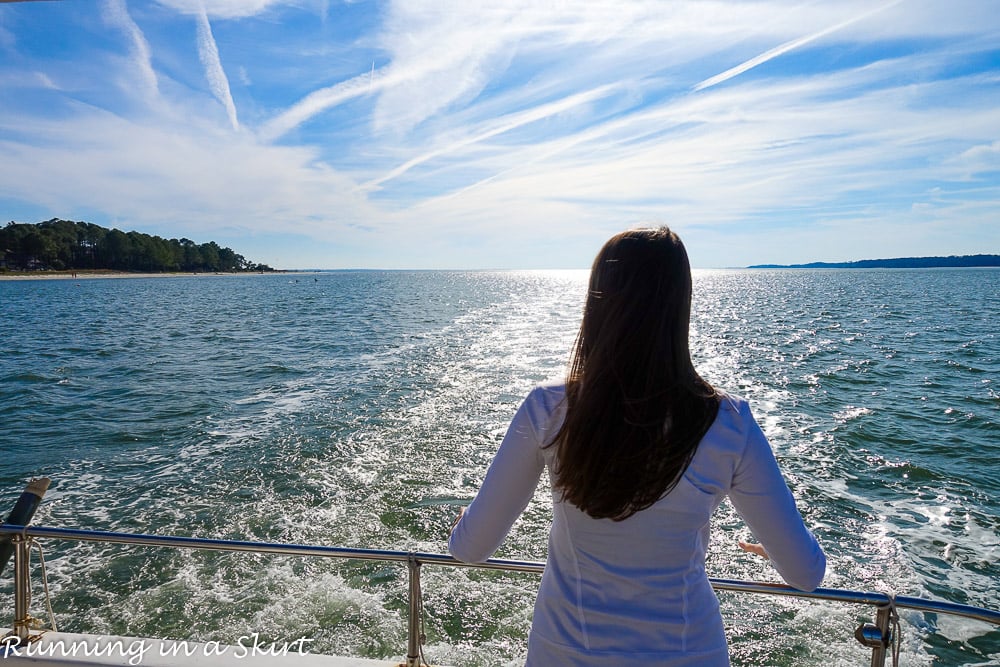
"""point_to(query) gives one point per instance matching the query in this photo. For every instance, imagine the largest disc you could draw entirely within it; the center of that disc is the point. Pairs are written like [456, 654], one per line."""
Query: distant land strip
[66, 245]
[952, 261]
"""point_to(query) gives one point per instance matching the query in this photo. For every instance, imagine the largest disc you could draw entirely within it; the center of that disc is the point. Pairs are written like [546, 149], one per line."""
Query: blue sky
[508, 134]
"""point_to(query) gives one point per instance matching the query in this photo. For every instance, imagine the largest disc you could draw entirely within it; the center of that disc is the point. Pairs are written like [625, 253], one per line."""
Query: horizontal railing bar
[831, 594]
[952, 608]
[859, 597]
[767, 588]
[201, 543]
[263, 547]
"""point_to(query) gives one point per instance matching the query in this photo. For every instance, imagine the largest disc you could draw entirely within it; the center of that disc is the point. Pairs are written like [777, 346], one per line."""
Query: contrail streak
[208, 53]
[512, 122]
[117, 14]
[320, 100]
[786, 47]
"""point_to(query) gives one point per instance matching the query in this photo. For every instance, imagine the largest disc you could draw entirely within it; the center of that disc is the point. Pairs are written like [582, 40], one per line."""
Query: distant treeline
[898, 263]
[68, 245]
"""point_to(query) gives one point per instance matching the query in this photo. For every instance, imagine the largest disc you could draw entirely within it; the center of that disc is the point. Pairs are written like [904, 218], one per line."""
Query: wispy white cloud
[8, 42]
[193, 173]
[321, 100]
[445, 53]
[45, 81]
[116, 14]
[978, 159]
[208, 53]
[502, 125]
[785, 150]
[223, 9]
[788, 46]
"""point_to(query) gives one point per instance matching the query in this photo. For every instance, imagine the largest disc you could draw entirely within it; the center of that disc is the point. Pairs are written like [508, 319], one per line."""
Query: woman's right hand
[754, 548]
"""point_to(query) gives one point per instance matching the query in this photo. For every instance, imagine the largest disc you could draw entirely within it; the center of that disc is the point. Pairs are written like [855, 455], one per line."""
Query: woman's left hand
[457, 519]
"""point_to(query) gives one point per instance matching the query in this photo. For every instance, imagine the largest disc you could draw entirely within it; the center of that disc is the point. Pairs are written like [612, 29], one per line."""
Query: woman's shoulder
[550, 393]
[723, 446]
[731, 403]
[734, 418]
[545, 408]
[547, 398]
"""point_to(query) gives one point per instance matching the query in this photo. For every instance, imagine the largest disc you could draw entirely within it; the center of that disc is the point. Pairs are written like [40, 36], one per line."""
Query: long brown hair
[636, 407]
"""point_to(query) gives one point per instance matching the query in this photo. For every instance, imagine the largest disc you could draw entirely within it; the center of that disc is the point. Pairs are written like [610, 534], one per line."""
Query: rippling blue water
[358, 408]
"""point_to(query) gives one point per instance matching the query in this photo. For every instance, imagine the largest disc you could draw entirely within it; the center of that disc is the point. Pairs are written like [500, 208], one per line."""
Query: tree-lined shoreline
[67, 245]
[952, 261]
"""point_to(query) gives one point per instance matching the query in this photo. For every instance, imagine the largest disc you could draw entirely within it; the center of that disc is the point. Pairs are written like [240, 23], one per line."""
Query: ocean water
[360, 409]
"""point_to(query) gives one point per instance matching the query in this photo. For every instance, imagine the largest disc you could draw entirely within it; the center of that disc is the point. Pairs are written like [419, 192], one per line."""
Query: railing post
[882, 619]
[21, 514]
[413, 637]
[22, 588]
[877, 637]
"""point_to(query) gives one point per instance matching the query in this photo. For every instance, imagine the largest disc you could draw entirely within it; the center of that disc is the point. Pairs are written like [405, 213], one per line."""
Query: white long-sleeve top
[635, 592]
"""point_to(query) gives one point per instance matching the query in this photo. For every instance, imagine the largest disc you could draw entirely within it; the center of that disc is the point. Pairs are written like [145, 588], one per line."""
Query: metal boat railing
[878, 636]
